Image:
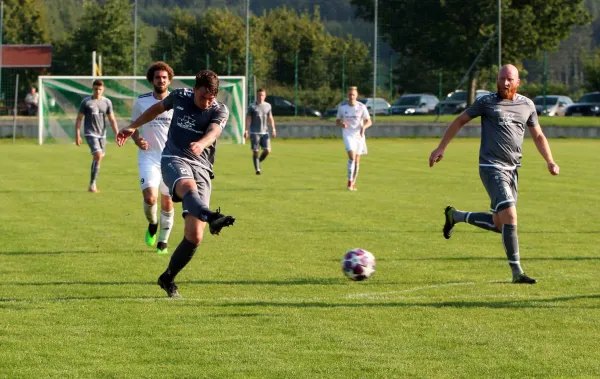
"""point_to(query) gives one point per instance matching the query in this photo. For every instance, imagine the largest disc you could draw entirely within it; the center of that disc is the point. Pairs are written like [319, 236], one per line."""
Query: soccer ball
[358, 264]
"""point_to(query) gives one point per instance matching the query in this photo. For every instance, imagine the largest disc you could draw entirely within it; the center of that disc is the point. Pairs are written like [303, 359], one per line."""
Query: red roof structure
[26, 56]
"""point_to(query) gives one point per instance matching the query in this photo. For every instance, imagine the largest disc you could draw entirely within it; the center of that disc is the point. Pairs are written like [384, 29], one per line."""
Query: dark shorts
[501, 186]
[174, 169]
[96, 144]
[260, 140]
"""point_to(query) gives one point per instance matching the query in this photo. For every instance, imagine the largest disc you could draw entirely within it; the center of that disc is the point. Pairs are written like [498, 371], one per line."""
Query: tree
[448, 34]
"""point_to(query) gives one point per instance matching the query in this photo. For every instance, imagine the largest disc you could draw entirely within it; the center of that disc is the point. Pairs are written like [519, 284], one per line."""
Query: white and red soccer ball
[358, 264]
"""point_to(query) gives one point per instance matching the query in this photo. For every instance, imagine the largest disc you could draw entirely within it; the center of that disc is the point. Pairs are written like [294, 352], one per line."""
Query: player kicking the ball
[151, 139]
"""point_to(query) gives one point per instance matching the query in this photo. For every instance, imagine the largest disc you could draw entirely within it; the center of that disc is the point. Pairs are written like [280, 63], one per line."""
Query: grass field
[267, 299]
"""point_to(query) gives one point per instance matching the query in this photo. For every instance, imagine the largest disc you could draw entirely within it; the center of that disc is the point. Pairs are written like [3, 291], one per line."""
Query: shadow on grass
[60, 252]
[291, 282]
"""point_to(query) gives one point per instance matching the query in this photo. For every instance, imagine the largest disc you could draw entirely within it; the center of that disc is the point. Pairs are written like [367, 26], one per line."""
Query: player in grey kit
[256, 127]
[504, 116]
[95, 108]
[187, 163]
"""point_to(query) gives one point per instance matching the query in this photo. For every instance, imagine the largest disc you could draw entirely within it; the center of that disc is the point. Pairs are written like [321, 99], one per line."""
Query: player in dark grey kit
[504, 116]
[256, 127]
[94, 109]
[187, 163]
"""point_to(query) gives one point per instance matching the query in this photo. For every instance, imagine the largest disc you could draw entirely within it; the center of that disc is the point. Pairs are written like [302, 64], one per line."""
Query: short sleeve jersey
[354, 116]
[95, 111]
[502, 128]
[190, 124]
[259, 114]
[154, 132]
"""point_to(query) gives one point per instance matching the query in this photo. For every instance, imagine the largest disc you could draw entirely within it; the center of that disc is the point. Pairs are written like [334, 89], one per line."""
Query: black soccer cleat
[449, 224]
[523, 279]
[218, 221]
[169, 286]
[257, 172]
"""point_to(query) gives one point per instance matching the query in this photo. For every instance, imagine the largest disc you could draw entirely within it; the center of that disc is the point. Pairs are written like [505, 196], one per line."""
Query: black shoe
[169, 286]
[257, 172]
[449, 224]
[523, 279]
[219, 221]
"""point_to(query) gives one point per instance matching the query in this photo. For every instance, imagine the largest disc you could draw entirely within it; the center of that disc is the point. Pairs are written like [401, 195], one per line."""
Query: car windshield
[408, 100]
[590, 98]
[539, 100]
[364, 100]
[458, 96]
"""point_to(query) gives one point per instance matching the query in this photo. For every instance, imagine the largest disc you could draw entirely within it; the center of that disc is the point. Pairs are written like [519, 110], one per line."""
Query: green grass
[267, 299]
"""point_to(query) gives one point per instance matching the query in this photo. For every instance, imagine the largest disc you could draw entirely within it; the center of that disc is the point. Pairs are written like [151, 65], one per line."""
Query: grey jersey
[502, 128]
[95, 112]
[259, 114]
[189, 124]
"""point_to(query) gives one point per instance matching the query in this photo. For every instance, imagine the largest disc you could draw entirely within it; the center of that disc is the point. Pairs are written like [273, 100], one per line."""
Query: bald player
[504, 116]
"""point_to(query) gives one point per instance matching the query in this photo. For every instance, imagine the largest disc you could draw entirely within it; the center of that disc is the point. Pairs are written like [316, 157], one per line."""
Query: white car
[381, 105]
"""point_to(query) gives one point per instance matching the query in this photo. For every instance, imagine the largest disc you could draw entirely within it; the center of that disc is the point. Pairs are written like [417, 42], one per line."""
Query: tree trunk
[472, 87]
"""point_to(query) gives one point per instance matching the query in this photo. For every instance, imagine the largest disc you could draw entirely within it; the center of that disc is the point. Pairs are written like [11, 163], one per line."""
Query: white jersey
[155, 132]
[353, 117]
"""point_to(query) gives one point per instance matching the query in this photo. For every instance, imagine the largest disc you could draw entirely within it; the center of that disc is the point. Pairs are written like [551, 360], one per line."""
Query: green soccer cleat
[150, 239]
[523, 279]
[449, 223]
[161, 248]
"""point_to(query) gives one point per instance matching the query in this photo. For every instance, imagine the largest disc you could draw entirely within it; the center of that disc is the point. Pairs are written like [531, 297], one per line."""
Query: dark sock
[263, 156]
[479, 219]
[511, 246]
[180, 258]
[256, 164]
[152, 228]
[193, 205]
[94, 172]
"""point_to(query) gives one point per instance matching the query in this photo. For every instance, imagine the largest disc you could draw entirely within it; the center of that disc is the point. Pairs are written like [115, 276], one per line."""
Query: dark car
[414, 104]
[333, 111]
[587, 105]
[283, 107]
[456, 101]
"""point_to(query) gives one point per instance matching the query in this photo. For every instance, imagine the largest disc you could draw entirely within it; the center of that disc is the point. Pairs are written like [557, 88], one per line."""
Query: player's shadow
[291, 282]
[60, 252]
[497, 259]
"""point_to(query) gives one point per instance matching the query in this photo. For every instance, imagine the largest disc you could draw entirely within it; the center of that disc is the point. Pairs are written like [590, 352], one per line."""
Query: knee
[149, 199]
[266, 151]
[194, 236]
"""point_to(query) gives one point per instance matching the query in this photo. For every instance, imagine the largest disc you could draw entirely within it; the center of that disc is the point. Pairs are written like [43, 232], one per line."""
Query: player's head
[98, 88]
[160, 75]
[352, 94]
[508, 81]
[261, 94]
[206, 88]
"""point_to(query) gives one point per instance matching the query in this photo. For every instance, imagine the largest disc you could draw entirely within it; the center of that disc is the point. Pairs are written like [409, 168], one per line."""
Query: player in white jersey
[151, 139]
[354, 118]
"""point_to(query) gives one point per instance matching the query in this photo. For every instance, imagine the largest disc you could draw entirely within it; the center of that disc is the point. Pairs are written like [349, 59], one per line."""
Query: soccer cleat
[150, 240]
[92, 188]
[218, 221]
[161, 248]
[169, 286]
[523, 279]
[257, 172]
[352, 188]
[449, 224]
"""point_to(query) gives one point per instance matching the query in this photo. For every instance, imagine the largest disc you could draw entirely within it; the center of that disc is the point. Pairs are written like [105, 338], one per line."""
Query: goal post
[60, 97]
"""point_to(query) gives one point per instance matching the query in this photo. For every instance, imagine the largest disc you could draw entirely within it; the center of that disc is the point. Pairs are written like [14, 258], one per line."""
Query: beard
[507, 93]
[160, 90]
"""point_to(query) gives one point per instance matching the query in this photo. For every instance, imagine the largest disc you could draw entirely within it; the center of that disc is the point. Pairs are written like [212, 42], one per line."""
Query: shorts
[96, 144]
[174, 169]
[501, 186]
[356, 143]
[150, 173]
[260, 140]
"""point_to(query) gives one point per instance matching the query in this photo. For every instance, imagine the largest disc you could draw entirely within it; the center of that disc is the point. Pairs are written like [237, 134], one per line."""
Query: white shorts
[150, 173]
[356, 143]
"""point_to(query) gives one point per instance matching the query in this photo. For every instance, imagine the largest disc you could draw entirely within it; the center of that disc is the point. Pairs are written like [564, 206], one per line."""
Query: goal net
[60, 97]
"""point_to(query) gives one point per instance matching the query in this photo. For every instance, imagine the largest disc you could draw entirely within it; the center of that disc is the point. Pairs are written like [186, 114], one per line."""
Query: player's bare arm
[149, 115]
[366, 124]
[272, 121]
[453, 129]
[544, 148]
[139, 140]
[78, 129]
[113, 123]
[248, 122]
[212, 134]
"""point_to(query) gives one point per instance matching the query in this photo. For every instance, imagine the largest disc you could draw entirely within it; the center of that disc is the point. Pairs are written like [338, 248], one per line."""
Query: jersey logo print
[506, 120]
[186, 122]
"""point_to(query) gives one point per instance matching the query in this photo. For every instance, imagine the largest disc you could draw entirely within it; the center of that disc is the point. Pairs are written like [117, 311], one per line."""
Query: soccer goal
[60, 97]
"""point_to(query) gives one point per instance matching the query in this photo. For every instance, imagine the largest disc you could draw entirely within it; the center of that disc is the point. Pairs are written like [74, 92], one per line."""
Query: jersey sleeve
[476, 109]
[339, 113]
[533, 117]
[220, 116]
[82, 107]
[137, 111]
[270, 112]
[366, 115]
[109, 107]
[250, 111]
[169, 101]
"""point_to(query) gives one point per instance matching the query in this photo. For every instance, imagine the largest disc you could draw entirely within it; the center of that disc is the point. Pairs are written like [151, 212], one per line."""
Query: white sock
[150, 212]
[350, 169]
[166, 224]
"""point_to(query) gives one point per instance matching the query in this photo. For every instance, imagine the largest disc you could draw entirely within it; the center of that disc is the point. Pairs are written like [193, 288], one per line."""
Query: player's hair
[261, 90]
[353, 88]
[98, 83]
[209, 80]
[159, 66]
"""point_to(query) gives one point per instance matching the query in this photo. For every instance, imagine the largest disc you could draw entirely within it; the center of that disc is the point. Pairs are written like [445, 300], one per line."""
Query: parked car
[456, 101]
[587, 105]
[283, 107]
[414, 104]
[381, 105]
[555, 105]
[333, 111]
